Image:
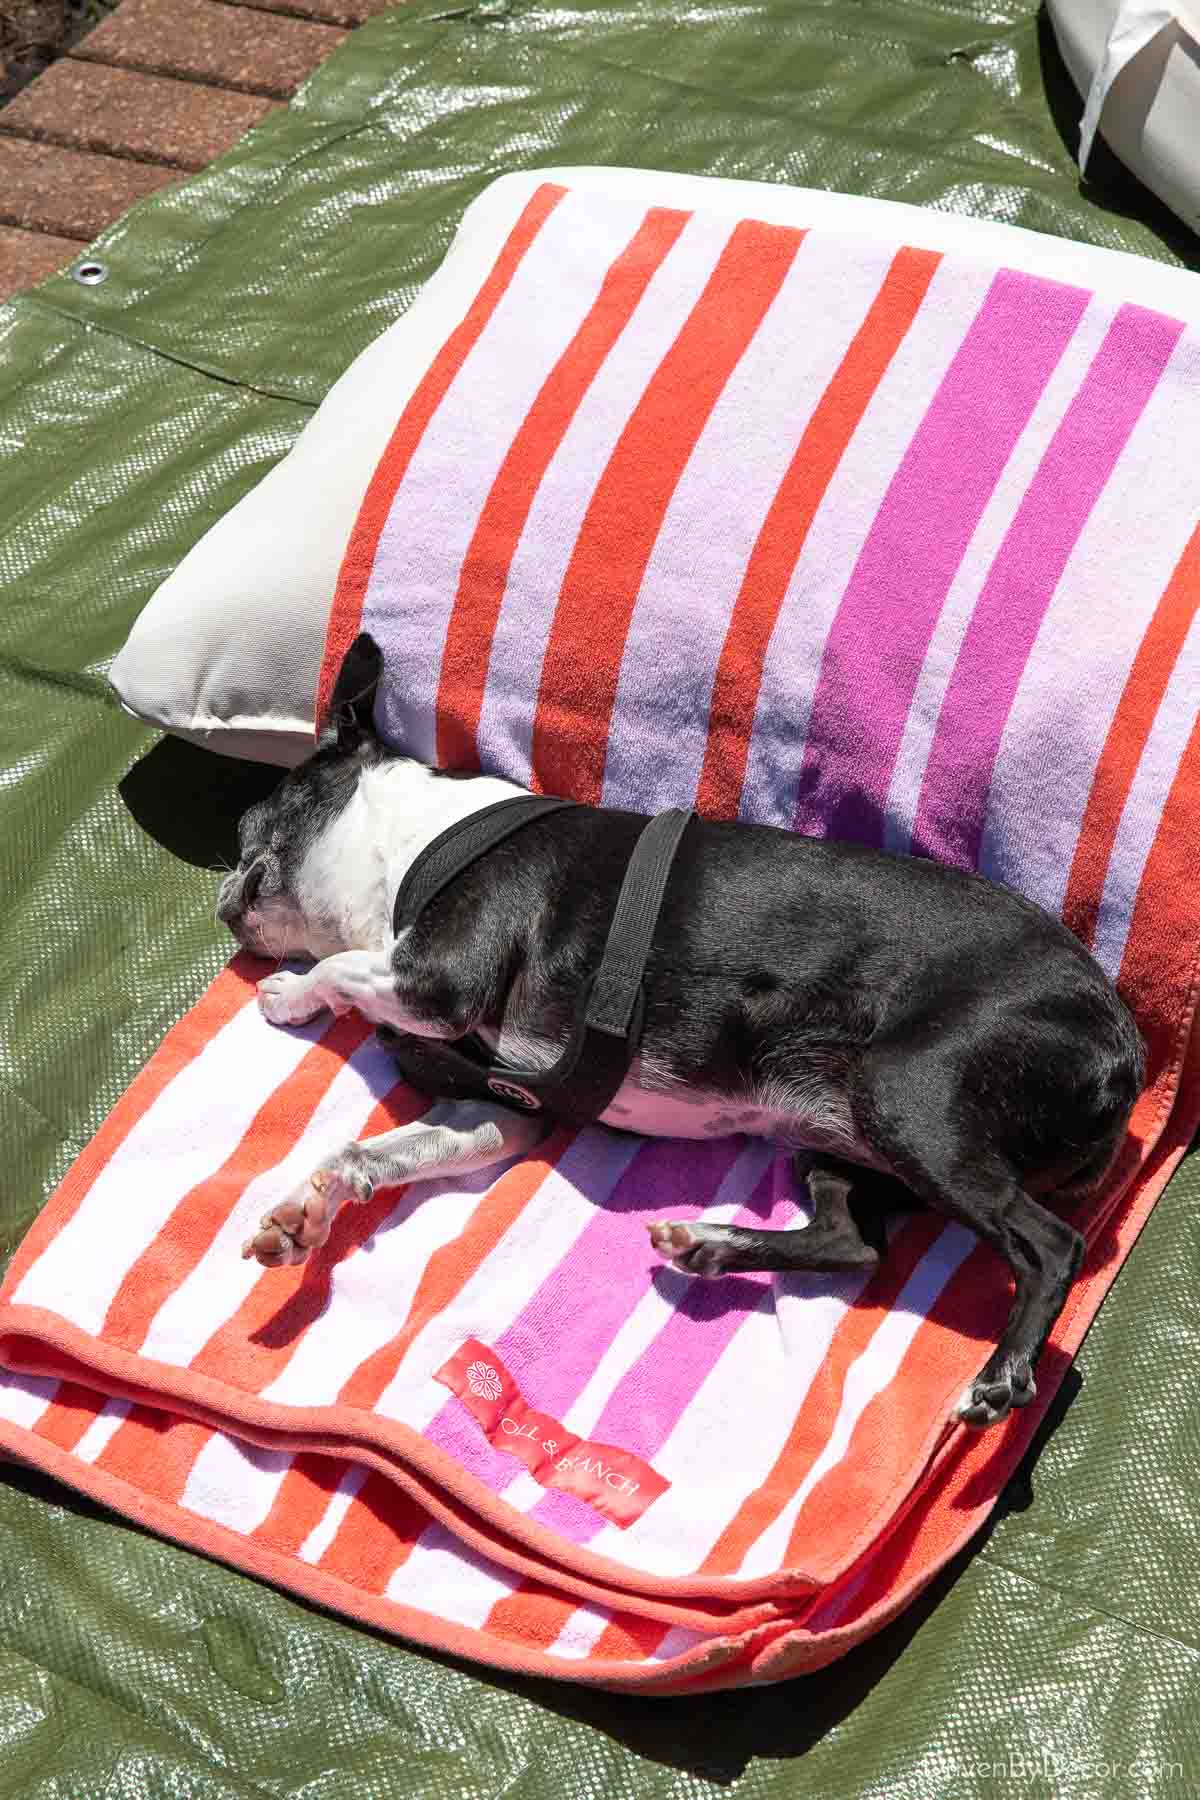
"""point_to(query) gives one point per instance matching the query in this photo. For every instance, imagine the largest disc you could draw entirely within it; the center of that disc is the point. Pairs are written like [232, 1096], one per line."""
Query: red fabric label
[617, 1483]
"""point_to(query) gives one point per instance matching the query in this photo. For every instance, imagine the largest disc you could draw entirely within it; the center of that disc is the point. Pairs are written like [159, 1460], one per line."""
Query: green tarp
[1061, 1657]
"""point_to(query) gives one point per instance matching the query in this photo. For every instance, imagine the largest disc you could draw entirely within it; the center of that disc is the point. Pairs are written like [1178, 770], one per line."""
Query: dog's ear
[350, 720]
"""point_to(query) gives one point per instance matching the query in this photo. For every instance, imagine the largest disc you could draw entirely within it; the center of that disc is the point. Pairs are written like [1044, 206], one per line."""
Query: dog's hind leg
[845, 1233]
[946, 1144]
[453, 1138]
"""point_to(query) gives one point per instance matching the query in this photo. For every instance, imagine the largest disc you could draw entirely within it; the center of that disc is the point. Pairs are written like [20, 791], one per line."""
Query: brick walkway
[158, 90]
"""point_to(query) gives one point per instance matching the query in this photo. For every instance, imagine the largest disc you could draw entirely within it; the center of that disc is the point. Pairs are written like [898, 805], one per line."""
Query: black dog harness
[608, 1019]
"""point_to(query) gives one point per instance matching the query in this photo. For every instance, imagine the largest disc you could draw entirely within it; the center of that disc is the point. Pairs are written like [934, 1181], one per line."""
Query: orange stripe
[1136, 711]
[257, 1341]
[232, 989]
[1166, 920]
[628, 1638]
[818, 1412]
[199, 1216]
[532, 1614]
[485, 568]
[787, 524]
[154, 1451]
[359, 559]
[376, 1536]
[69, 1415]
[298, 1504]
[625, 514]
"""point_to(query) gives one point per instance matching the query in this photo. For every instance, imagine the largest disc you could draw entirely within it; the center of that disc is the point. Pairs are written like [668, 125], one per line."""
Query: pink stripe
[557, 1339]
[1020, 586]
[652, 1396]
[866, 684]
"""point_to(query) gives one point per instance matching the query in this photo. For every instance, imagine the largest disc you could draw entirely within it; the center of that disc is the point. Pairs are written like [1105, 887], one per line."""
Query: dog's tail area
[1119, 1077]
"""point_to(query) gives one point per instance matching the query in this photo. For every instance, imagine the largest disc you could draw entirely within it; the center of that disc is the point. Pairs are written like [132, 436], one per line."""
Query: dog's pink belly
[825, 1126]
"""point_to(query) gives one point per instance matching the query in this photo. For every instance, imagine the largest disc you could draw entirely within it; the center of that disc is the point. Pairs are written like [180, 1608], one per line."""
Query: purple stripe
[557, 1339]
[880, 635]
[652, 1396]
[1021, 583]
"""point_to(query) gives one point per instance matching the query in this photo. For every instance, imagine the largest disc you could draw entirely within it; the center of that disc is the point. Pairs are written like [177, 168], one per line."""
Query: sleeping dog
[912, 1034]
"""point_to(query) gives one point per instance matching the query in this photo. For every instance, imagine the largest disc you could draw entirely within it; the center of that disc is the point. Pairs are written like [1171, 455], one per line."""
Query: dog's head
[268, 900]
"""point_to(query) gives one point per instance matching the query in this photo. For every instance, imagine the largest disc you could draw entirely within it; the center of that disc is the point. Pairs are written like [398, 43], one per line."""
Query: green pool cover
[1062, 1656]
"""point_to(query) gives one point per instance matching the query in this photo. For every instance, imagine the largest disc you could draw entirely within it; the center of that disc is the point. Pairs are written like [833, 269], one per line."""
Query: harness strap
[608, 1021]
[461, 844]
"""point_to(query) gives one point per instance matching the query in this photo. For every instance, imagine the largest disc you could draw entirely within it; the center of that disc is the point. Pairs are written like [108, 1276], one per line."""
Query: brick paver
[88, 107]
[67, 193]
[28, 256]
[203, 41]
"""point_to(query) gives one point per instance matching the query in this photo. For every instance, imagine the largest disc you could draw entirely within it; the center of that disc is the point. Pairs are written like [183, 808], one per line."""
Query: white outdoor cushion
[1151, 111]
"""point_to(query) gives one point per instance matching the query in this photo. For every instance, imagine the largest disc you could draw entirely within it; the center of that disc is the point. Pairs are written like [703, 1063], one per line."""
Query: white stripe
[211, 1293]
[580, 1631]
[866, 1378]
[181, 1139]
[986, 541]
[325, 1530]
[1148, 792]
[24, 1398]
[678, 1641]
[505, 1281]
[103, 1428]
[833, 1611]
[660, 723]
[447, 1579]
[839, 530]
[539, 566]
[234, 1483]
[437, 506]
[1115, 576]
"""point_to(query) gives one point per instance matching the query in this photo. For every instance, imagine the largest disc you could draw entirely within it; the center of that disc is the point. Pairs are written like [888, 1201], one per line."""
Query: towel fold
[689, 510]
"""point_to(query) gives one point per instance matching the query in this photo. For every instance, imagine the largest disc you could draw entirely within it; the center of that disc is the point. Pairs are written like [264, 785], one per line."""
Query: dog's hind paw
[990, 1399]
[693, 1249]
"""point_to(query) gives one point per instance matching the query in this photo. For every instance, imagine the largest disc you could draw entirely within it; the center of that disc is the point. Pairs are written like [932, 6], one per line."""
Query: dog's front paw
[994, 1393]
[287, 999]
[693, 1249]
[302, 1222]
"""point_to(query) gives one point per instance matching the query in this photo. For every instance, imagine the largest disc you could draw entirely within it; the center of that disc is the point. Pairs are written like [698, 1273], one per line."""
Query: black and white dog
[901, 1022]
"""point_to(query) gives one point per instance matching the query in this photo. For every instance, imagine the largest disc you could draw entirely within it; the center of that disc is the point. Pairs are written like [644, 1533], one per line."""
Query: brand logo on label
[483, 1380]
[511, 1090]
[616, 1482]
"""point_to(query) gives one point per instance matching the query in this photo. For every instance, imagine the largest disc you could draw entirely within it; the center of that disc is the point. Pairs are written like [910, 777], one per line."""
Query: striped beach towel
[688, 509]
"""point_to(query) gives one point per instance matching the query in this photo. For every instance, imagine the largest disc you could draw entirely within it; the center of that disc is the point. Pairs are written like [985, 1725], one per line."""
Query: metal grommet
[90, 273]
